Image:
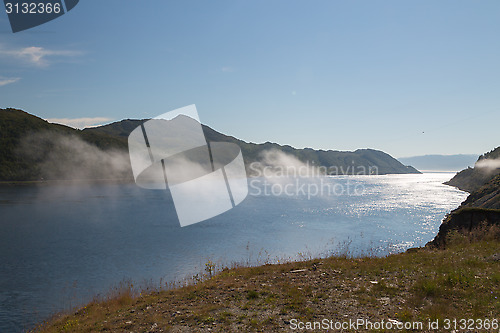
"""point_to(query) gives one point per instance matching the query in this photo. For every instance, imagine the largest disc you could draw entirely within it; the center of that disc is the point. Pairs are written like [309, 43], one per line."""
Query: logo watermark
[205, 179]
[26, 14]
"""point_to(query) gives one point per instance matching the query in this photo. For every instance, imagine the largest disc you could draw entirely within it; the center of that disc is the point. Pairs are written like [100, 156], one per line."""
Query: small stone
[384, 300]
[495, 257]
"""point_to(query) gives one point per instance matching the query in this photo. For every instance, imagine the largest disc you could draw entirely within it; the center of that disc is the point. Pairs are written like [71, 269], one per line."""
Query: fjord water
[62, 245]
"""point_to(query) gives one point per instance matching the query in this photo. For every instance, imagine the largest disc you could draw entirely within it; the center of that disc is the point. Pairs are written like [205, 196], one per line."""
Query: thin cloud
[37, 56]
[8, 80]
[80, 122]
[227, 69]
[487, 163]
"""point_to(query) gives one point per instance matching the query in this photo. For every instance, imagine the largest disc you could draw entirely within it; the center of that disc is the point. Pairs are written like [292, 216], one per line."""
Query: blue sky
[405, 77]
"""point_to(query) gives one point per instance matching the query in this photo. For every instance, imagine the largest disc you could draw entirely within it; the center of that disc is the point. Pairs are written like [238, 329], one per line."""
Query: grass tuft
[461, 281]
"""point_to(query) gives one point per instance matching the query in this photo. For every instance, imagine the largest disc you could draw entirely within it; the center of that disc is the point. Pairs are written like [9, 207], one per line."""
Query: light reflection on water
[61, 245]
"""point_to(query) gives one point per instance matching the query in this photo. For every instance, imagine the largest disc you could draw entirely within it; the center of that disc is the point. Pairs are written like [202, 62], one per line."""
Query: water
[62, 245]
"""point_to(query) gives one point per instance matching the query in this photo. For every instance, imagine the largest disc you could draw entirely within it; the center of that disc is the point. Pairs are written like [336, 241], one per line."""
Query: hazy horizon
[62, 121]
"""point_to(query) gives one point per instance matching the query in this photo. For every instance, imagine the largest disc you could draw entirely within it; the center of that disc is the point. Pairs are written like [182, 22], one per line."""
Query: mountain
[32, 149]
[478, 217]
[484, 170]
[343, 161]
[487, 196]
[440, 162]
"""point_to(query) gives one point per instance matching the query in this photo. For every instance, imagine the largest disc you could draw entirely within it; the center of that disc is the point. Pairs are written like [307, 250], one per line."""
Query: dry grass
[462, 281]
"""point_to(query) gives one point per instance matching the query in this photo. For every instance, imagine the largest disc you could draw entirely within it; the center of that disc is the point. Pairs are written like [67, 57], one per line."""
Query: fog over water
[62, 245]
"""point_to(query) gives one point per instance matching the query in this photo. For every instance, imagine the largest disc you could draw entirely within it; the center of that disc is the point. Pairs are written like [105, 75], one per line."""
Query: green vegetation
[14, 124]
[477, 223]
[26, 141]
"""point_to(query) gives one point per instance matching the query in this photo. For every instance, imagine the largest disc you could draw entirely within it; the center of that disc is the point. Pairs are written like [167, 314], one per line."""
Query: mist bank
[273, 154]
[485, 169]
[32, 149]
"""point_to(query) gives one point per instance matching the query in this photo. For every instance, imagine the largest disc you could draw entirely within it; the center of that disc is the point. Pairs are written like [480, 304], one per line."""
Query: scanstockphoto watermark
[360, 324]
[356, 324]
[306, 180]
[304, 187]
[309, 169]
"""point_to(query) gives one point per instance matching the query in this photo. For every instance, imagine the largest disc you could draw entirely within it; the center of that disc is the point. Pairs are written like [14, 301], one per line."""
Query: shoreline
[48, 182]
[64, 182]
[420, 285]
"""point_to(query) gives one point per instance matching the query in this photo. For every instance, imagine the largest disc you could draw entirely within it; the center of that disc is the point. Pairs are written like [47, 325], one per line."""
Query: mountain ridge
[361, 157]
[471, 179]
[479, 215]
[26, 141]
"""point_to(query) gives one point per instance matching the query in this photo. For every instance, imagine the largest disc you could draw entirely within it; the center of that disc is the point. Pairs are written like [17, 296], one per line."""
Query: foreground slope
[462, 281]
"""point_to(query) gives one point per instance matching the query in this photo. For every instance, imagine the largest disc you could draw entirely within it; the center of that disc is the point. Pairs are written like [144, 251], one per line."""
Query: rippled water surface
[62, 245]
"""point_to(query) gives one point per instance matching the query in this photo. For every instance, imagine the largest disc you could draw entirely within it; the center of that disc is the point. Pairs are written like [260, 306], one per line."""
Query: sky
[406, 77]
